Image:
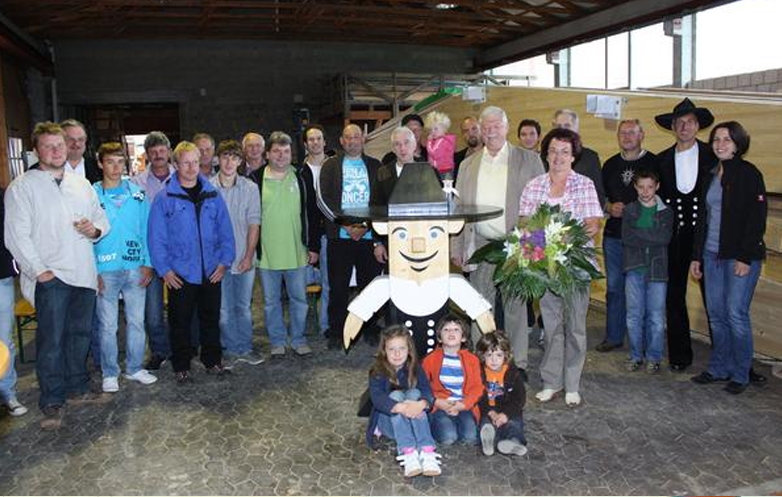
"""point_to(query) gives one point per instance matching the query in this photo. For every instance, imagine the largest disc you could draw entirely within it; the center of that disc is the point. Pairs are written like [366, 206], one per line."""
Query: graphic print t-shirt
[355, 189]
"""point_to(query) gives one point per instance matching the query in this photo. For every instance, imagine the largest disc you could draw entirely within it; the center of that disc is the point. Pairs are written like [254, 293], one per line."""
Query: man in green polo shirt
[289, 241]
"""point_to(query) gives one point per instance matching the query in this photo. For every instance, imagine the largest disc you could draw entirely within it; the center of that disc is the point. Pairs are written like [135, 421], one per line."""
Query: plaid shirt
[580, 197]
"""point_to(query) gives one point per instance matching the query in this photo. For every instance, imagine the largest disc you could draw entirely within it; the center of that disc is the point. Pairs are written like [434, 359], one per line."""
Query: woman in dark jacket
[728, 253]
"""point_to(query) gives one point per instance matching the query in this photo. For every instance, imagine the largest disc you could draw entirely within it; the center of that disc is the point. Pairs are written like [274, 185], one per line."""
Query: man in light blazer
[496, 176]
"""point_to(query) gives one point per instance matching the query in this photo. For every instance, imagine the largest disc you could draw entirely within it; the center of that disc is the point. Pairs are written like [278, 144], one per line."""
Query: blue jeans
[8, 382]
[236, 319]
[645, 316]
[107, 310]
[616, 321]
[320, 276]
[296, 286]
[63, 340]
[449, 429]
[409, 433]
[514, 428]
[95, 339]
[154, 321]
[728, 298]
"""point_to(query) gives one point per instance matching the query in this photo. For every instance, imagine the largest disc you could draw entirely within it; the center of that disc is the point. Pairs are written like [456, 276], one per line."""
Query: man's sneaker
[634, 366]
[155, 362]
[546, 394]
[142, 376]
[52, 418]
[88, 398]
[15, 408]
[572, 399]
[278, 351]
[705, 378]
[411, 464]
[735, 388]
[487, 439]
[652, 367]
[303, 350]
[217, 370]
[607, 346]
[250, 358]
[111, 384]
[183, 377]
[430, 464]
[511, 447]
[756, 377]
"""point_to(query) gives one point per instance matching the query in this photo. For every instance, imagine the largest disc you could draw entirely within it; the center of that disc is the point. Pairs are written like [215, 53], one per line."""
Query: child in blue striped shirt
[455, 376]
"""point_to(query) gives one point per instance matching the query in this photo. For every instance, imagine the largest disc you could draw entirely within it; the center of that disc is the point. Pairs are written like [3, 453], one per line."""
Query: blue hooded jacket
[125, 247]
[190, 238]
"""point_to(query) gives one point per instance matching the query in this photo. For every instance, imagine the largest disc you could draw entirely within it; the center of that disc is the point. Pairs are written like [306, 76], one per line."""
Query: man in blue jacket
[191, 245]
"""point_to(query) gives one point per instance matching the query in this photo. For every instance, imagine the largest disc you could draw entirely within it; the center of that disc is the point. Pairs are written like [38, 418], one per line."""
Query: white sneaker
[411, 463]
[430, 463]
[572, 399]
[487, 439]
[546, 394]
[15, 408]
[142, 376]
[111, 384]
[511, 447]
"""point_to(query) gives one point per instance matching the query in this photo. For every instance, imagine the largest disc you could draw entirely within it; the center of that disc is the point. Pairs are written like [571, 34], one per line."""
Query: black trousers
[678, 320]
[343, 255]
[184, 305]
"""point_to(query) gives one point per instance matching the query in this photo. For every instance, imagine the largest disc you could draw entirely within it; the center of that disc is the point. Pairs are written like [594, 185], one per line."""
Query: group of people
[452, 395]
[203, 217]
[707, 221]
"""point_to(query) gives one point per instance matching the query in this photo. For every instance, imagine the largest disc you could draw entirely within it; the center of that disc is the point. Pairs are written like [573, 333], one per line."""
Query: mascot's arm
[364, 306]
[472, 302]
[486, 322]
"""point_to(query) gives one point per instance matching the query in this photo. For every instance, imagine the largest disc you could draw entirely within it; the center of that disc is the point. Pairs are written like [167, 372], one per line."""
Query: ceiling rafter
[482, 25]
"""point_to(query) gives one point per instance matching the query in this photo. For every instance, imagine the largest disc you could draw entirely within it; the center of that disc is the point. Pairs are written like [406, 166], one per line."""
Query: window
[15, 156]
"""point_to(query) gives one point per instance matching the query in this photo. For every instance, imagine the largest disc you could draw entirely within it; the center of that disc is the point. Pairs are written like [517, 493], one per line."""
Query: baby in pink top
[440, 146]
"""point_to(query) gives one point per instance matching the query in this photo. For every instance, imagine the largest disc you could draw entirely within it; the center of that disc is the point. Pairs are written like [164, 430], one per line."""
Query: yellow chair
[312, 299]
[25, 316]
[4, 359]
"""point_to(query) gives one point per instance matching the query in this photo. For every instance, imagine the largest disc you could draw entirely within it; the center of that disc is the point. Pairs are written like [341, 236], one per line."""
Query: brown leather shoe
[88, 398]
[52, 418]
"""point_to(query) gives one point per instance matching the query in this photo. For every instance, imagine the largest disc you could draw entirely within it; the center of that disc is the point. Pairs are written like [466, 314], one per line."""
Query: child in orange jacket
[455, 376]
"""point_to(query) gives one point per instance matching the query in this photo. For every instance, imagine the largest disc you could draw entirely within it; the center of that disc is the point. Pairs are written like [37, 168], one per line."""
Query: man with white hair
[403, 143]
[495, 176]
[589, 163]
[253, 146]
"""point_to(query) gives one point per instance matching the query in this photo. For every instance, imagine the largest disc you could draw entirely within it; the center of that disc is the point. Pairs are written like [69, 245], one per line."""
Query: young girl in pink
[440, 146]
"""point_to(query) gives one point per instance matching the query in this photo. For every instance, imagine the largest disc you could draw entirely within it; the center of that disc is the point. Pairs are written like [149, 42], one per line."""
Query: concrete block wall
[769, 81]
[227, 87]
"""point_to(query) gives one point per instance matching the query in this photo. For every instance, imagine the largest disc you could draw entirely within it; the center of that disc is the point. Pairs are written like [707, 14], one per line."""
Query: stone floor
[288, 427]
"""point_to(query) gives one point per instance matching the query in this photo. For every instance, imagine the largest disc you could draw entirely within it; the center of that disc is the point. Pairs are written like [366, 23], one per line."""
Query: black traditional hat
[418, 195]
[704, 115]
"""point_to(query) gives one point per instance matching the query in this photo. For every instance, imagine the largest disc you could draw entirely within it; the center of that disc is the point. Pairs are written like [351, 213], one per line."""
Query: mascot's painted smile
[419, 260]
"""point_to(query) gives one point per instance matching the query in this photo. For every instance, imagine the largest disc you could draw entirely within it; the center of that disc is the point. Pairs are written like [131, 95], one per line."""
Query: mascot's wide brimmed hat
[418, 195]
[704, 115]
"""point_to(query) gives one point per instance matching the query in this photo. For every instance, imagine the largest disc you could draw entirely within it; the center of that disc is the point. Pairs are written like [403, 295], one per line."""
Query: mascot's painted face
[418, 250]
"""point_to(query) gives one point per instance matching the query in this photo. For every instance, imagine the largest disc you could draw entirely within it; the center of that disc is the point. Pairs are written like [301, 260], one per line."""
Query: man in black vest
[683, 169]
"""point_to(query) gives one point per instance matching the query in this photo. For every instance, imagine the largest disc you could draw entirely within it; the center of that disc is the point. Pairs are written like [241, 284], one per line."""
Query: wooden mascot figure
[418, 222]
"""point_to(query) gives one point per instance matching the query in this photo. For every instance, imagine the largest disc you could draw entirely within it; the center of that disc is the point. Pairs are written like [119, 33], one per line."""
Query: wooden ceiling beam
[620, 17]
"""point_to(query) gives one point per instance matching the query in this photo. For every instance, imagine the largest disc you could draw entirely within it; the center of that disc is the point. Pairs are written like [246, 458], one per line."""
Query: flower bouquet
[547, 251]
